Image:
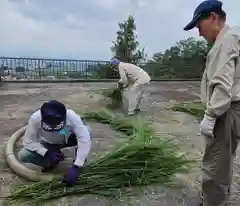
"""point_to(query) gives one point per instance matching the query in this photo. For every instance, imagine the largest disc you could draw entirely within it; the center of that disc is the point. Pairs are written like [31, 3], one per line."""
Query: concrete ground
[18, 101]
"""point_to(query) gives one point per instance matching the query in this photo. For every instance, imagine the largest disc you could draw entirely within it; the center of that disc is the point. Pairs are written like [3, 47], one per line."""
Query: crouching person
[50, 129]
[132, 78]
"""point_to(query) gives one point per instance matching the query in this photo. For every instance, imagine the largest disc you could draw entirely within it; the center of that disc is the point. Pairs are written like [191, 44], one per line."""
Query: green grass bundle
[194, 108]
[143, 161]
[118, 123]
[115, 94]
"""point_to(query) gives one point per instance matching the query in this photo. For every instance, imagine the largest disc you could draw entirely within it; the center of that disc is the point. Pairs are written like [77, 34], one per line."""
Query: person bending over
[133, 78]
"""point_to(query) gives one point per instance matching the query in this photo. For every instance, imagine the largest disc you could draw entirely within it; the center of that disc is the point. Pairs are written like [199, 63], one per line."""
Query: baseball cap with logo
[202, 11]
[53, 116]
[114, 62]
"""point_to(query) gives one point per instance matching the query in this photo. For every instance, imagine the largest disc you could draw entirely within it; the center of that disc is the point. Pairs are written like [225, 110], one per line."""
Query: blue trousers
[28, 156]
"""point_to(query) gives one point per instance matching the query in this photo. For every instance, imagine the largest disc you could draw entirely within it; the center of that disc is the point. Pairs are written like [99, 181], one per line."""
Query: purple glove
[70, 178]
[54, 157]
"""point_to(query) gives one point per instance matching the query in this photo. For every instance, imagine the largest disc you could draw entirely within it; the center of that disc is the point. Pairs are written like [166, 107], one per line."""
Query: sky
[80, 29]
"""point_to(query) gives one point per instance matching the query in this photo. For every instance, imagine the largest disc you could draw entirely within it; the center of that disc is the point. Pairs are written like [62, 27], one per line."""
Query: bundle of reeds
[119, 123]
[194, 108]
[115, 95]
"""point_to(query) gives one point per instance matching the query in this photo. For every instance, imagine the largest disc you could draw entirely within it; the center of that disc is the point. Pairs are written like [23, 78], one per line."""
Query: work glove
[70, 178]
[54, 157]
[120, 85]
[207, 126]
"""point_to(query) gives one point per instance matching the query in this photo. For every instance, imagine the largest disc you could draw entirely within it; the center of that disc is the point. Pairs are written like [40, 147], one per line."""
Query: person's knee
[23, 155]
[26, 155]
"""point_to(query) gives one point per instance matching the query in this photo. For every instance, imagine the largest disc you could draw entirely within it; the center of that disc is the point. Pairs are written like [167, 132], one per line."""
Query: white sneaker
[131, 113]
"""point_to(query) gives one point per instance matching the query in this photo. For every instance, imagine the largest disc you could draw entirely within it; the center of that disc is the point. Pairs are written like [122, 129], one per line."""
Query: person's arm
[83, 139]
[222, 80]
[31, 139]
[123, 76]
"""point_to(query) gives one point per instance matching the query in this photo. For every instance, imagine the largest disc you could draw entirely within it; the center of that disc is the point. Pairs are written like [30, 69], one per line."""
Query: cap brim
[193, 23]
[52, 128]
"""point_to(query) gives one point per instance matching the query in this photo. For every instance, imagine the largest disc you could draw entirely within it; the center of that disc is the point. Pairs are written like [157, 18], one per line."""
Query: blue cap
[203, 8]
[114, 61]
[53, 115]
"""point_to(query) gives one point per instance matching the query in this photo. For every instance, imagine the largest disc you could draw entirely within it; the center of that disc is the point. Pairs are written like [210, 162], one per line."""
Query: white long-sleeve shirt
[35, 136]
[132, 74]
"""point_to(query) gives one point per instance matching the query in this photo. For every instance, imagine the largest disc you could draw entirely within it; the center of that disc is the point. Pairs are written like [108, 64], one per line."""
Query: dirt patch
[179, 96]
[19, 101]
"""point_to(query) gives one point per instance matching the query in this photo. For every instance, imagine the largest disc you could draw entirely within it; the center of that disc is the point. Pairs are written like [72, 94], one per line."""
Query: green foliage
[126, 47]
[115, 95]
[185, 59]
[194, 108]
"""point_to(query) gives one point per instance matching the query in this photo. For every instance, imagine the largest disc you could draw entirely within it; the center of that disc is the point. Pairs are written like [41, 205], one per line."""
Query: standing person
[220, 91]
[133, 78]
[50, 129]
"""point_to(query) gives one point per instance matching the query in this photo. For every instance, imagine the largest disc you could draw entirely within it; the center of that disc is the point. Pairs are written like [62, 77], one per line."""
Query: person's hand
[70, 178]
[120, 85]
[207, 126]
[54, 157]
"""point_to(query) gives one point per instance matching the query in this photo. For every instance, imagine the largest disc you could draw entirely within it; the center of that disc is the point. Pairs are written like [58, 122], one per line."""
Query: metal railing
[12, 68]
[36, 68]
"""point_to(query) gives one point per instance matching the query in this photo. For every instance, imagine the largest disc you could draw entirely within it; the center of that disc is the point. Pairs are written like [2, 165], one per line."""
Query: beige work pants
[134, 94]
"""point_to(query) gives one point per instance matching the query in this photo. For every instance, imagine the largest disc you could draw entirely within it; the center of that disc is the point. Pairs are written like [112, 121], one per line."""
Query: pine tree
[126, 47]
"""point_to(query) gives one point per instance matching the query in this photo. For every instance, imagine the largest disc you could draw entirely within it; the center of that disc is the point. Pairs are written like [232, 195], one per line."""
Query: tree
[126, 47]
[158, 57]
[185, 59]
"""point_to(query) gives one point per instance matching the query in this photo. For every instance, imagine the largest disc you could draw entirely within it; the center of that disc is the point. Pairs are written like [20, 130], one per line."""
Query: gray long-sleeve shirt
[221, 79]
[35, 135]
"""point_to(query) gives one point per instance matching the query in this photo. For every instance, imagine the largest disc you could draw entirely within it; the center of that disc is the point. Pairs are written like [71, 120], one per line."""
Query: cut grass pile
[141, 161]
[194, 108]
[119, 123]
[115, 95]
